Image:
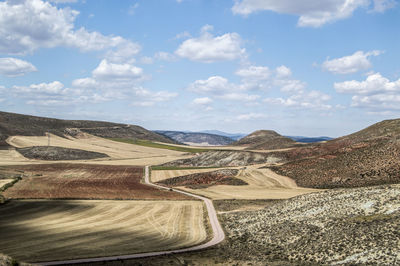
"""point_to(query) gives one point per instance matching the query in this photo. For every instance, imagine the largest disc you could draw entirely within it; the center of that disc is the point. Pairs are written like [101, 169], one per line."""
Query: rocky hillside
[265, 140]
[16, 124]
[345, 227]
[367, 157]
[225, 158]
[195, 138]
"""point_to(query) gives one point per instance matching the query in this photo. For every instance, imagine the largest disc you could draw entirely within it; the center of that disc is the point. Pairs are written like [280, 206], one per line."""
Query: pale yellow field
[120, 153]
[5, 181]
[54, 230]
[263, 184]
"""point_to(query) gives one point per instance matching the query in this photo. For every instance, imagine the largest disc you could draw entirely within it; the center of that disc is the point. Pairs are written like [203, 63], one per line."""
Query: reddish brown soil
[204, 180]
[80, 181]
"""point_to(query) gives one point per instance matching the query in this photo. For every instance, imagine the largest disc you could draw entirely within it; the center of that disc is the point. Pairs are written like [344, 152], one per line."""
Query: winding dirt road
[218, 234]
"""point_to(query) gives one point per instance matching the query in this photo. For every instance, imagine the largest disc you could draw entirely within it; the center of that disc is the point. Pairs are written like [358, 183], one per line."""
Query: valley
[86, 197]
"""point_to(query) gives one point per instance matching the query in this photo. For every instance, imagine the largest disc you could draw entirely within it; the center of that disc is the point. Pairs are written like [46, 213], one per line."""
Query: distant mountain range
[196, 138]
[309, 139]
[234, 136]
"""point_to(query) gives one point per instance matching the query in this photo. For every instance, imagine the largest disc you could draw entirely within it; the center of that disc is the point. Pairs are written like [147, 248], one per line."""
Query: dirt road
[218, 234]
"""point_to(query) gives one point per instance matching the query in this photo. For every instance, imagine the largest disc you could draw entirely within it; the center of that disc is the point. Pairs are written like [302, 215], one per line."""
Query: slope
[367, 157]
[16, 124]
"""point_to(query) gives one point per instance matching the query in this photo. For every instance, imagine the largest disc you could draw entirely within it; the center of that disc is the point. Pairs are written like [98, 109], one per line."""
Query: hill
[26, 125]
[367, 157]
[197, 138]
[265, 140]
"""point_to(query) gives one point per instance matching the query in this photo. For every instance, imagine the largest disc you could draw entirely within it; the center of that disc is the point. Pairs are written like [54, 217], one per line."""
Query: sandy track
[55, 230]
[263, 184]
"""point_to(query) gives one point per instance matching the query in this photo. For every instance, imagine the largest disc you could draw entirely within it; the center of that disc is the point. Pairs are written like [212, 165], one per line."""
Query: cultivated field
[160, 175]
[42, 230]
[263, 184]
[120, 153]
[81, 181]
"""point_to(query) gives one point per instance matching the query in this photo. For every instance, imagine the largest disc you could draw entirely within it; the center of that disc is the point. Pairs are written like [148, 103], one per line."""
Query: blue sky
[302, 67]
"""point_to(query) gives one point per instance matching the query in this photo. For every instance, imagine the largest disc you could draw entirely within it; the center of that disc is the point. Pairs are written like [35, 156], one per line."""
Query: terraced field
[262, 184]
[84, 181]
[42, 230]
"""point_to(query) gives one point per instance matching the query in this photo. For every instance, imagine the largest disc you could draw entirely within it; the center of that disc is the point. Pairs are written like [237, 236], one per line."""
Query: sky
[305, 67]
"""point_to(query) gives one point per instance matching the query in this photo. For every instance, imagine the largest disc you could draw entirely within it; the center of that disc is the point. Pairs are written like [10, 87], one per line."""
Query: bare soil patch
[205, 180]
[52, 153]
[82, 181]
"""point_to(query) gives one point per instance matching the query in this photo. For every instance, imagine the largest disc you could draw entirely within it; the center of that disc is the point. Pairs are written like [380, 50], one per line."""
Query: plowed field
[43, 230]
[81, 181]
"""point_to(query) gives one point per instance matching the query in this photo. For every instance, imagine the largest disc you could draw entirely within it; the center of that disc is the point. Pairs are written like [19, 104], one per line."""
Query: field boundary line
[218, 233]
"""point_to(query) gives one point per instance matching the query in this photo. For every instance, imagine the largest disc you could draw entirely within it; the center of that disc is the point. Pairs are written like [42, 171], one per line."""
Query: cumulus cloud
[13, 67]
[214, 84]
[312, 13]
[254, 72]
[202, 101]
[375, 83]
[250, 116]
[209, 48]
[164, 56]
[304, 100]
[350, 64]
[283, 72]
[49, 26]
[110, 71]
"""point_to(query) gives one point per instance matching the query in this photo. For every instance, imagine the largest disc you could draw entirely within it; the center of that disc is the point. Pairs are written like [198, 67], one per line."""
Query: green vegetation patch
[151, 144]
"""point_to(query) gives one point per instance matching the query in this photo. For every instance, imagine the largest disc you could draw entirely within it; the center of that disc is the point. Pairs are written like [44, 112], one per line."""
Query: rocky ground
[346, 226]
[51, 153]
[204, 180]
[225, 158]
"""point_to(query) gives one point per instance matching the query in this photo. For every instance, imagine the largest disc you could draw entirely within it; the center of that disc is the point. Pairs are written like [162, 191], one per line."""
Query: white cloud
[303, 100]
[312, 13]
[202, 101]
[209, 48]
[283, 72]
[164, 56]
[350, 64]
[374, 93]
[254, 72]
[375, 83]
[84, 83]
[110, 71]
[147, 60]
[215, 85]
[13, 67]
[47, 27]
[250, 116]
[54, 87]
[182, 35]
[63, 1]
[239, 97]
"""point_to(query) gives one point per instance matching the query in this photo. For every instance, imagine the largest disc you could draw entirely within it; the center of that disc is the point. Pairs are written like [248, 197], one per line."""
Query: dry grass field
[5, 181]
[45, 230]
[263, 184]
[81, 181]
[120, 153]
